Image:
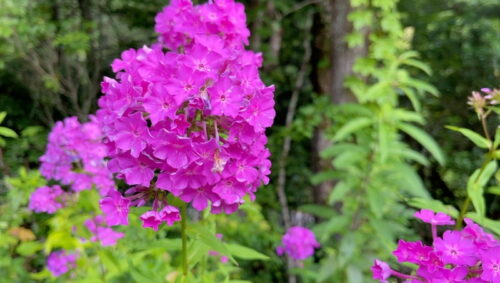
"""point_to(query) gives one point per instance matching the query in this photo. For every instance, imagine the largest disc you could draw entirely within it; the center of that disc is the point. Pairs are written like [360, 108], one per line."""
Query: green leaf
[318, 210]
[354, 39]
[3, 114]
[422, 87]
[494, 190]
[113, 265]
[326, 229]
[6, 132]
[419, 65]
[408, 116]
[410, 154]
[475, 186]
[408, 180]
[425, 140]
[476, 138]
[497, 138]
[325, 176]
[242, 252]
[412, 96]
[29, 248]
[209, 239]
[351, 127]
[339, 191]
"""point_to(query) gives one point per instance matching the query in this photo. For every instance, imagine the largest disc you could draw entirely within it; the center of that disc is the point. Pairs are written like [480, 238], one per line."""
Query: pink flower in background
[298, 243]
[75, 156]
[428, 216]
[105, 235]
[381, 271]
[60, 262]
[47, 199]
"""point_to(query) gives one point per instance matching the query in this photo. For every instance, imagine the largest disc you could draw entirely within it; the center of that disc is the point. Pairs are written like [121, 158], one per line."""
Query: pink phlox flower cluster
[298, 243]
[75, 156]
[180, 23]
[47, 199]
[60, 262]
[101, 232]
[191, 121]
[468, 255]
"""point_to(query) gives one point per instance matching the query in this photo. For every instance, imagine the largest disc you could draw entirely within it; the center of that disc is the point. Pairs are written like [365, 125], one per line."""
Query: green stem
[184, 240]
[489, 158]
[466, 203]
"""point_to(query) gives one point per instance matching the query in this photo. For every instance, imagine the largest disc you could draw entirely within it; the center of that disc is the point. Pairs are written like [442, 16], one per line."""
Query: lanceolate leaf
[425, 140]
[6, 132]
[351, 127]
[476, 138]
[245, 253]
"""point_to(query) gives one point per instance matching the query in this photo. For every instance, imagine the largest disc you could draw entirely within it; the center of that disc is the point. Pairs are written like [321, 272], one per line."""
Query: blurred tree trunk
[333, 61]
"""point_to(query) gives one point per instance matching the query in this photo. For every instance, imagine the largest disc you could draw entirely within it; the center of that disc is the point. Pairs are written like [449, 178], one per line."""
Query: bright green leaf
[6, 132]
[351, 127]
[242, 252]
[425, 140]
[476, 138]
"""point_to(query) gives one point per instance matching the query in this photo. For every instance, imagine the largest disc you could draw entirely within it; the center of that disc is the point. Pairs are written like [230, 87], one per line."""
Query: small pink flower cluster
[60, 262]
[481, 99]
[101, 232]
[47, 199]
[298, 243]
[190, 121]
[470, 255]
[75, 158]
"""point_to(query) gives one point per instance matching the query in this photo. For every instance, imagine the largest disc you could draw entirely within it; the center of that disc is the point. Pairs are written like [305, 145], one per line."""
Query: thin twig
[292, 106]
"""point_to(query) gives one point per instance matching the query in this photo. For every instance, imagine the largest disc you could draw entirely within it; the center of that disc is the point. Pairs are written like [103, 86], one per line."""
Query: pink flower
[381, 271]
[299, 243]
[160, 105]
[47, 199]
[469, 255]
[428, 216]
[170, 214]
[481, 239]
[131, 134]
[491, 265]
[60, 262]
[115, 208]
[151, 219]
[105, 235]
[75, 156]
[414, 252]
[455, 249]
[226, 98]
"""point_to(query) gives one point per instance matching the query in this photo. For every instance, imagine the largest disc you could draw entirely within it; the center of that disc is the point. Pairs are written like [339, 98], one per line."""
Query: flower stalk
[184, 239]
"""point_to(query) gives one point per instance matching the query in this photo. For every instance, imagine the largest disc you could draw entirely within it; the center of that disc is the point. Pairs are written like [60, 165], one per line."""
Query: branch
[292, 106]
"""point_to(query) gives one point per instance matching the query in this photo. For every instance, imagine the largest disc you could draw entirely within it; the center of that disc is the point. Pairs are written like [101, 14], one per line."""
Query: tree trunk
[331, 27]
